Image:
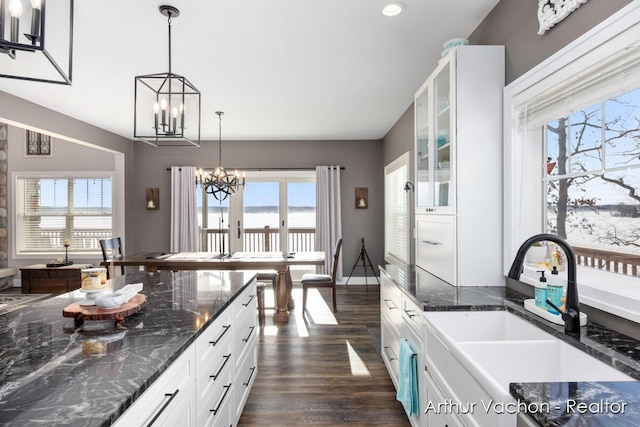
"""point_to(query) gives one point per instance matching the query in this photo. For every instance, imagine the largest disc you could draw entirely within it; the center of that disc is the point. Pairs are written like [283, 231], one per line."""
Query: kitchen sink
[495, 348]
[485, 326]
[533, 361]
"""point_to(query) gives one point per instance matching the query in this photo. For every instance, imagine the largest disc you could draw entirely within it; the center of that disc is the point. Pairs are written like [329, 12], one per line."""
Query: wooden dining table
[278, 261]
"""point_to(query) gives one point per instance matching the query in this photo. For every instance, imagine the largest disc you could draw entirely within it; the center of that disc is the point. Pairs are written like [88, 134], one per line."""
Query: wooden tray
[80, 313]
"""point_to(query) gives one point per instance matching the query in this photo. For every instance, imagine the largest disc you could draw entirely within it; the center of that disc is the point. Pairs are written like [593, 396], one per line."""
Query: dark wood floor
[324, 370]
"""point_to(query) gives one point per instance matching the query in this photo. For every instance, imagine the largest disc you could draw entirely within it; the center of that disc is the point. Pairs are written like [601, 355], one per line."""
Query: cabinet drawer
[213, 338]
[435, 246]
[214, 409]
[244, 336]
[245, 377]
[245, 305]
[164, 395]
[390, 350]
[412, 316]
[434, 416]
[391, 302]
[215, 374]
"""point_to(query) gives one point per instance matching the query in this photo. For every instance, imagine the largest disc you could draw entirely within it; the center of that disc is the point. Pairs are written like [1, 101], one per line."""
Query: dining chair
[322, 280]
[111, 250]
[269, 277]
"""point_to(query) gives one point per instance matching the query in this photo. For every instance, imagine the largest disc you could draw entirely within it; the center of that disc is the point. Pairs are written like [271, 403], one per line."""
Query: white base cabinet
[400, 319]
[171, 396]
[209, 383]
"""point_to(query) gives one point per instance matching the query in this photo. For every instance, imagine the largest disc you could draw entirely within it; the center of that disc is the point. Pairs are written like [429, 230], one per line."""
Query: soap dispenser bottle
[541, 291]
[554, 291]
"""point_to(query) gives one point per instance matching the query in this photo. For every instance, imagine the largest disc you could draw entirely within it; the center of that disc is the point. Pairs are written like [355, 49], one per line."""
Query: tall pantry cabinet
[458, 149]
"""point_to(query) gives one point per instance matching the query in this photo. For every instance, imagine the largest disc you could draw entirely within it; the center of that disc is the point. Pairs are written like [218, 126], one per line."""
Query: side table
[40, 279]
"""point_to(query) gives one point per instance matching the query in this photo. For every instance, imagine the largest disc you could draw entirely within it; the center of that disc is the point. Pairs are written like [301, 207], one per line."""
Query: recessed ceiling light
[393, 8]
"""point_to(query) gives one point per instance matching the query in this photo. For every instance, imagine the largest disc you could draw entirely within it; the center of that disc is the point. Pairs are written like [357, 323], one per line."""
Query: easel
[363, 256]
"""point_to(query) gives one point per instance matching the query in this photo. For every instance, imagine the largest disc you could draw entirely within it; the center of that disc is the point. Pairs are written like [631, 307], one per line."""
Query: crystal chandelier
[167, 105]
[220, 183]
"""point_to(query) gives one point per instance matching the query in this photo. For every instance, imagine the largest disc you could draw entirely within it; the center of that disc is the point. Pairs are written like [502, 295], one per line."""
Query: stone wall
[4, 218]
[4, 145]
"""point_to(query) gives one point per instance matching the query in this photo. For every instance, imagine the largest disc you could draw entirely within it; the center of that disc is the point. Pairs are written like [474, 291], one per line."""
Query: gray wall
[362, 160]
[514, 23]
[86, 142]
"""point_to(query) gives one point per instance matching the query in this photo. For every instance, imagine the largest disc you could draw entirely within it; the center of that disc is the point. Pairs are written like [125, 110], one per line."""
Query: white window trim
[56, 175]
[610, 292]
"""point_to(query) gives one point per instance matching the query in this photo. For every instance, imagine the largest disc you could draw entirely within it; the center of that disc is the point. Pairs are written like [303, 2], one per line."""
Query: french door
[274, 212]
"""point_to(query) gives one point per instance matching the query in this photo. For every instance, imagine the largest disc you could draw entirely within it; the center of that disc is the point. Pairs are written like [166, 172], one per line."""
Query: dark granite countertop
[53, 373]
[617, 350]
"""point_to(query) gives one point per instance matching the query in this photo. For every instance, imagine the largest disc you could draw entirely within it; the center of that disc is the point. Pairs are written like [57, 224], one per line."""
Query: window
[53, 209]
[579, 110]
[593, 181]
[396, 211]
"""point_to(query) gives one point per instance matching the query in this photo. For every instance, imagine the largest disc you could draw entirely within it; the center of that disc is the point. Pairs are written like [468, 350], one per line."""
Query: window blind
[605, 75]
[396, 211]
[52, 210]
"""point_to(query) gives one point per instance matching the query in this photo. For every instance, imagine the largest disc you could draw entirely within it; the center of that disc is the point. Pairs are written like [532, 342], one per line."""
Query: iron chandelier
[27, 56]
[220, 183]
[167, 105]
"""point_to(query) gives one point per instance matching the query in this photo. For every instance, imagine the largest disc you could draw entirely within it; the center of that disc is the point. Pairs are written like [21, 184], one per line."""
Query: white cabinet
[401, 318]
[214, 352]
[390, 324]
[209, 383]
[412, 332]
[245, 348]
[171, 394]
[458, 149]
[437, 412]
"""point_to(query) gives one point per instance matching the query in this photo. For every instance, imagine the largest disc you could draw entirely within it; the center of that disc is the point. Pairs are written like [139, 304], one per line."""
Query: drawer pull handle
[162, 409]
[390, 355]
[224, 396]
[250, 375]
[226, 328]
[431, 242]
[409, 313]
[246, 304]
[390, 307]
[226, 359]
[249, 336]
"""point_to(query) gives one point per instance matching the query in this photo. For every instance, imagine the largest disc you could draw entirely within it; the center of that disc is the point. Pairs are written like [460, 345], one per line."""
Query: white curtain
[184, 218]
[328, 214]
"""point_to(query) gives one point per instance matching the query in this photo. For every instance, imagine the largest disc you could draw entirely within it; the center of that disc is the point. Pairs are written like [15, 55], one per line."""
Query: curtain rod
[277, 169]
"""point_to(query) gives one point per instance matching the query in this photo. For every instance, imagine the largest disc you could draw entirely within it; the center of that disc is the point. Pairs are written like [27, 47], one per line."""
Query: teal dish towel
[408, 378]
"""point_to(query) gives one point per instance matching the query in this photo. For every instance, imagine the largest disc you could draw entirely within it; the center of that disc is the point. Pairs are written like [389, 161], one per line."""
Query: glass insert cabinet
[433, 130]
[458, 167]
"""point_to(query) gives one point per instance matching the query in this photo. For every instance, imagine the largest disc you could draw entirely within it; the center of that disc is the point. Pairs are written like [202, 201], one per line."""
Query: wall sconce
[362, 197]
[25, 56]
[409, 186]
[153, 199]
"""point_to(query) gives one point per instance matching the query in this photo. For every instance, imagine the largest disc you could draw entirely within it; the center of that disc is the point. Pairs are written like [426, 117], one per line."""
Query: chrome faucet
[571, 313]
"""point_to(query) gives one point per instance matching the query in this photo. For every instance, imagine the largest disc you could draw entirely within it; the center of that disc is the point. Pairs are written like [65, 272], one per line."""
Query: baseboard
[370, 280]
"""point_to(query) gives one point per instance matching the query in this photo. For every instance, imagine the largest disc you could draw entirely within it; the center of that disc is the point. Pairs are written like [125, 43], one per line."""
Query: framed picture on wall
[37, 144]
[362, 197]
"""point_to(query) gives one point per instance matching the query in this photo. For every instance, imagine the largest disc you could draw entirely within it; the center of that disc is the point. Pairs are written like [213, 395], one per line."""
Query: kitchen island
[559, 403]
[54, 373]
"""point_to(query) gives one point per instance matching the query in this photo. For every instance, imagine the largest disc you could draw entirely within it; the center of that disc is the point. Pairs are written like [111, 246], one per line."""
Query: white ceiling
[279, 69]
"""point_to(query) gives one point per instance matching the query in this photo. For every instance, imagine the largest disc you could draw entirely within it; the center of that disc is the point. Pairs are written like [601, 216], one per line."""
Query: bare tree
[585, 126]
